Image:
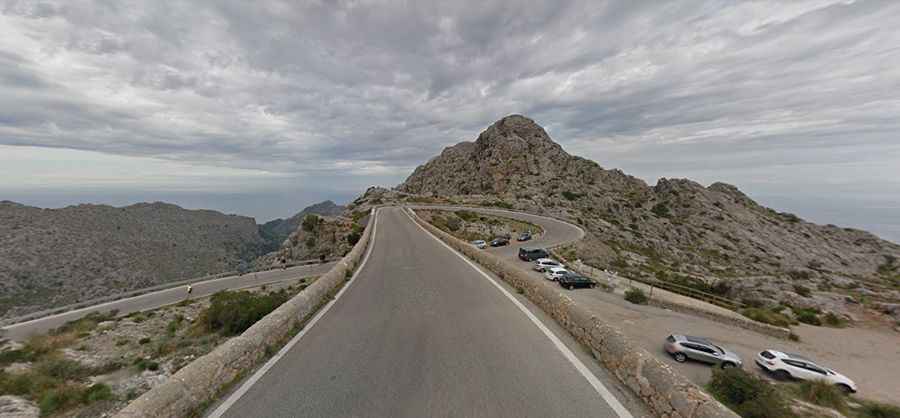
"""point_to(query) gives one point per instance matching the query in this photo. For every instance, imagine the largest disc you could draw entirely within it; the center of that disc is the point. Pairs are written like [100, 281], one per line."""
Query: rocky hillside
[715, 238]
[53, 257]
[278, 230]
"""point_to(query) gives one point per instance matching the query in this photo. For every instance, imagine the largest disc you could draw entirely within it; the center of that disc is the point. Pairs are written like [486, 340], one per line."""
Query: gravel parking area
[871, 357]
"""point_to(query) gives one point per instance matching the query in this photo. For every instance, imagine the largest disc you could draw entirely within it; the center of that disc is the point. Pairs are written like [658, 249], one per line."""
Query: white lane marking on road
[128, 299]
[607, 396]
[245, 387]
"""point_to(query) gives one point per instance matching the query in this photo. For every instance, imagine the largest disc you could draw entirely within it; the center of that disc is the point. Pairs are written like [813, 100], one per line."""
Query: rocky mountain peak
[515, 135]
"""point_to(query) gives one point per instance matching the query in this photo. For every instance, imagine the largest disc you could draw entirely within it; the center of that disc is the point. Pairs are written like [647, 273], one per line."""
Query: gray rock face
[278, 230]
[53, 257]
[691, 232]
[16, 407]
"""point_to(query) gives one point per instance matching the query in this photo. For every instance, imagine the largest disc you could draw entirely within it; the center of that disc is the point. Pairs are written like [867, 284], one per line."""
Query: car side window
[815, 369]
[795, 363]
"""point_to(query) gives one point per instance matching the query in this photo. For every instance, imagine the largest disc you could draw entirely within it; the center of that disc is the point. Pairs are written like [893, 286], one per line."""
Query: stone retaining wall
[664, 391]
[199, 383]
[749, 324]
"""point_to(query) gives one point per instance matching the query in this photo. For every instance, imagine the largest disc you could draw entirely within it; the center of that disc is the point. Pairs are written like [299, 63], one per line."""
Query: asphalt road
[421, 332]
[153, 300]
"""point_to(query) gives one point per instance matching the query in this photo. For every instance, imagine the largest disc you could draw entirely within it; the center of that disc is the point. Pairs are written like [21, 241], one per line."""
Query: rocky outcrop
[675, 230]
[278, 230]
[53, 257]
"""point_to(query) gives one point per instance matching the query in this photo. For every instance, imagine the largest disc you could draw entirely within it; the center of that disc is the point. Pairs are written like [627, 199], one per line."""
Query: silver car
[683, 347]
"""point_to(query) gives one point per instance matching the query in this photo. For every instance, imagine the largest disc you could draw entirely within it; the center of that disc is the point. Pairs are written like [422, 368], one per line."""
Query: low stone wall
[199, 383]
[746, 323]
[749, 324]
[665, 392]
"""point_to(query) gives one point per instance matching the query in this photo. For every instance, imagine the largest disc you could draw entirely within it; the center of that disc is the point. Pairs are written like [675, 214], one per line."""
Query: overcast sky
[261, 107]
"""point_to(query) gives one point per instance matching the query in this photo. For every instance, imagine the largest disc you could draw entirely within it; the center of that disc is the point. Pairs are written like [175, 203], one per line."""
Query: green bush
[571, 195]
[60, 398]
[808, 316]
[454, 223]
[468, 215]
[231, 313]
[97, 392]
[748, 395]
[767, 316]
[146, 364]
[661, 210]
[310, 222]
[62, 368]
[636, 296]
[823, 394]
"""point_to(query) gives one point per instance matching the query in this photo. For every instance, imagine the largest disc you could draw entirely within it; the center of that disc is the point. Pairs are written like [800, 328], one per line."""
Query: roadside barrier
[665, 391]
[198, 384]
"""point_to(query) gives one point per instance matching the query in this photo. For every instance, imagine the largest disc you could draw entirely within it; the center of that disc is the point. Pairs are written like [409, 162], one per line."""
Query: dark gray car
[683, 347]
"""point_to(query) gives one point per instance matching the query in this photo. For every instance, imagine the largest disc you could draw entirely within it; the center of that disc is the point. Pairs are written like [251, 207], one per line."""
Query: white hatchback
[542, 264]
[787, 366]
[554, 273]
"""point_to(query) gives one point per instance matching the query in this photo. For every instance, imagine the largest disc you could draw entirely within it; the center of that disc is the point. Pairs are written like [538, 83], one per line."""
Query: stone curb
[200, 382]
[665, 392]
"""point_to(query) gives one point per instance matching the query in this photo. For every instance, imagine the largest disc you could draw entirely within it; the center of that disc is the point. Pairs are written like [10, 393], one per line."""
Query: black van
[531, 254]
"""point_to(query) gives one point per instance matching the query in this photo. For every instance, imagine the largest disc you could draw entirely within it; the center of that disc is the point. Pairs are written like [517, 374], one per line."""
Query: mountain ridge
[674, 230]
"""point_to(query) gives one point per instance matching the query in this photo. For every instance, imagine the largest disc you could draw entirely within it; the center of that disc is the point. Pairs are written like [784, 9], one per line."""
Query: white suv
[553, 273]
[786, 366]
[542, 264]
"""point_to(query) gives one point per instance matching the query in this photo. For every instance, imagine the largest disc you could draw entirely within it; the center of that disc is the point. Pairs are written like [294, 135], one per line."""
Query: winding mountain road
[421, 331]
[22, 330]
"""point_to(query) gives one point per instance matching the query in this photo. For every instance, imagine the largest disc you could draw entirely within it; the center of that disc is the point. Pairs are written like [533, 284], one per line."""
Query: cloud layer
[755, 93]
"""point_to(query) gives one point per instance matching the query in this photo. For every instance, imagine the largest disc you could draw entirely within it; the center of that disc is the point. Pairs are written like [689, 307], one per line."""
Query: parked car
[554, 273]
[571, 280]
[531, 254]
[542, 264]
[525, 236]
[682, 348]
[479, 243]
[499, 242]
[794, 366]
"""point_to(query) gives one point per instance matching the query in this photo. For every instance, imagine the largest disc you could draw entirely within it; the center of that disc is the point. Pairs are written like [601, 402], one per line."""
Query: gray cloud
[352, 88]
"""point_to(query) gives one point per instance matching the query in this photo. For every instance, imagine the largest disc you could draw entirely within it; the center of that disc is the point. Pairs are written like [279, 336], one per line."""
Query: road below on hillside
[22, 330]
[422, 332]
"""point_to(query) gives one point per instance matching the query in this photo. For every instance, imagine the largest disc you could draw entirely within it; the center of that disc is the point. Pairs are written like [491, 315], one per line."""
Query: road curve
[22, 330]
[421, 332]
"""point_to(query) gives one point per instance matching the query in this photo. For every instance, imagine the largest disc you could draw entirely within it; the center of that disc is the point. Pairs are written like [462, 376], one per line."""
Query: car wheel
[782, 375]
[680, 357]
[844, 388]
[571, 287]
[728, 365]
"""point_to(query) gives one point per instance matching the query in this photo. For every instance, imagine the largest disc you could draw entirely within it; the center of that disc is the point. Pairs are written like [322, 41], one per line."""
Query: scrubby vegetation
[748, 395]
[636, 296]
[823, 394]
[231, 313]
[767, 316]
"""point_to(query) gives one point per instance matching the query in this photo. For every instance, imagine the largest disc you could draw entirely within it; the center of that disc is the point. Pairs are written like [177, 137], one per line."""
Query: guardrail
[143, 291]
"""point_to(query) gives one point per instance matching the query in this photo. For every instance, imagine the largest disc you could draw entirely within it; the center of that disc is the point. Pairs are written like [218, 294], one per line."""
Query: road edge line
[253, 379]
[598, 386]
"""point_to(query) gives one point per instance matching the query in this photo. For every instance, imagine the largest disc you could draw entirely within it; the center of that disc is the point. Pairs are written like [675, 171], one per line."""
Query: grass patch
[747, 395]
[877, 410]
[823, 394]
[767, 316]
[808, 316]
